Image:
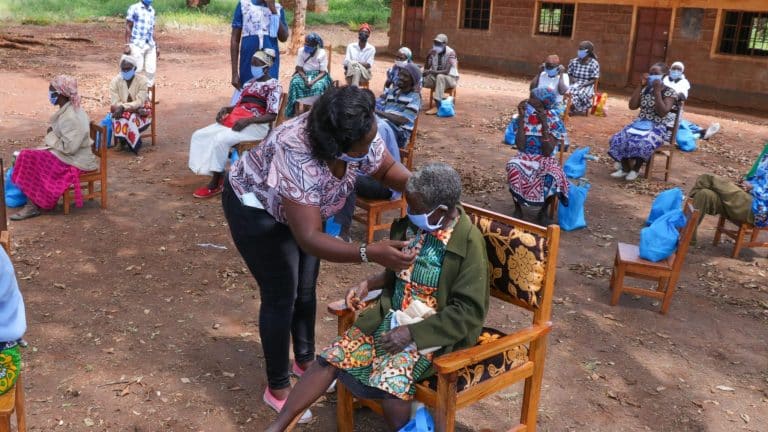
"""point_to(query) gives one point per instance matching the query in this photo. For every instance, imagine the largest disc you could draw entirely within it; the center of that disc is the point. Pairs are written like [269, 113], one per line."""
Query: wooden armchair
[522, 264]
[666, 150]
[99, 148]
[739, 235]
[244, 146]
[373, 209]
[5, 234]
[666, 272]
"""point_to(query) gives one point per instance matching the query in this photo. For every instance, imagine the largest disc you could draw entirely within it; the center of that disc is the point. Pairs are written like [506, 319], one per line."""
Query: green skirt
[298, 89]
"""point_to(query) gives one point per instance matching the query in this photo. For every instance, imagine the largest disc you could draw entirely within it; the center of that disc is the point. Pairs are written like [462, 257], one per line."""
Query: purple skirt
[627, 145]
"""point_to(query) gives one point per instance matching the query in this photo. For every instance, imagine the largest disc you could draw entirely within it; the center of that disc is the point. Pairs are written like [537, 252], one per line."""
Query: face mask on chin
[422, 220]
[350, 159]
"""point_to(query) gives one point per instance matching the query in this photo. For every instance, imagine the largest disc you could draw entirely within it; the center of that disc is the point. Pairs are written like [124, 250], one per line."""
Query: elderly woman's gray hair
[436, 183]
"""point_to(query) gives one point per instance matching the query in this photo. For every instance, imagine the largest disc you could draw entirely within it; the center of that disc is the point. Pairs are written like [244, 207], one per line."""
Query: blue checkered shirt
[143, 19]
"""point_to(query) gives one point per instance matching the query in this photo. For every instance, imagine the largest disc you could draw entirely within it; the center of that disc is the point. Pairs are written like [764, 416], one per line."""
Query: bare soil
[133, 326]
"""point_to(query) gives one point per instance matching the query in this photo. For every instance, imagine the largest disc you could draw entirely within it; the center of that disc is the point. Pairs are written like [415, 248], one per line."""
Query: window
[745, 33]
[415, 3]
[477, 14]
[555, 19]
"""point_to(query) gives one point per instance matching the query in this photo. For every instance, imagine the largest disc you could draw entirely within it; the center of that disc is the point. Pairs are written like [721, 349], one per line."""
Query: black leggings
[287, 277]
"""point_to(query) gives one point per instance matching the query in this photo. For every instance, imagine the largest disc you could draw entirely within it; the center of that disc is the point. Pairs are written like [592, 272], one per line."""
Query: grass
[175, 12]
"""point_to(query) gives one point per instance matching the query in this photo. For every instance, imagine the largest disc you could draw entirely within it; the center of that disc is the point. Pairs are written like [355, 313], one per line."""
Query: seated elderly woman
[311, 77]
[584, 71]
[403, 57]
[249, 119]
[130, 107]
[679, 83]
[635, 144]
[383, 354]
[534, 175]
[745, 202]
[44, 174]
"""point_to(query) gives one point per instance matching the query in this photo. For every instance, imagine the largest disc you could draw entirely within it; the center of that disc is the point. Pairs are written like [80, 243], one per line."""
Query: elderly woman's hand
[395, 340]
[355, 296]
[220, 115]
[389, 254]
[241, 124]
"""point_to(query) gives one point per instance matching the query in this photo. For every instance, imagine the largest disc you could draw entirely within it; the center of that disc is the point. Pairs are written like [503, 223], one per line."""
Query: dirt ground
[134, 326]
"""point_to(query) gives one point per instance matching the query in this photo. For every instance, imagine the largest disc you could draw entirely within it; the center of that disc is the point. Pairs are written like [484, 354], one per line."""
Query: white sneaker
[631, 176]
[617, 165]
[618, 173]
[711, 130]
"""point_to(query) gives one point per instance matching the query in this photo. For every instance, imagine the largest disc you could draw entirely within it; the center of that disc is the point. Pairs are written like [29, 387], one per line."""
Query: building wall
[510, 45]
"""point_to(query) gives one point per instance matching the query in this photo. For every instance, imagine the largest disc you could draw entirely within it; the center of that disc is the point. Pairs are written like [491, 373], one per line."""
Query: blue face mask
[422, 220]
[53, 97]
[349, 159]
[552, 72]
[309, 49]
[582, 53]
[675, 74]
[653, 78]
[257, 71]
[127, 74]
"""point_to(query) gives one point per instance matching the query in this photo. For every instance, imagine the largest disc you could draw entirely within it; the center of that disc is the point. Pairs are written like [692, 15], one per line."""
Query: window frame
[561, 5]
[463, 15]
[735, 40]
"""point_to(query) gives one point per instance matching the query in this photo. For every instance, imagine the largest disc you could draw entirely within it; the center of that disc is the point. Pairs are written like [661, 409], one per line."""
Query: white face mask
[438, 48]
[401, 64]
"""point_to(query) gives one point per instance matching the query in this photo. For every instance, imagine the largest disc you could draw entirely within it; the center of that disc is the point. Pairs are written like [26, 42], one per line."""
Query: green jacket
[462, 294]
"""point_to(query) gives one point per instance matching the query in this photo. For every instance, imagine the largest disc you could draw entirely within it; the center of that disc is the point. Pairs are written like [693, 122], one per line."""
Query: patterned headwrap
[415, 73]
[314, 37]
[546, 95]
[66, 85]
[366, 27]
[267, 55]
[406, 52]
[128, 58]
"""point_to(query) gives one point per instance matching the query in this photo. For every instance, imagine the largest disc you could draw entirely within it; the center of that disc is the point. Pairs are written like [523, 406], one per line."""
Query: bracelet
[363, 255]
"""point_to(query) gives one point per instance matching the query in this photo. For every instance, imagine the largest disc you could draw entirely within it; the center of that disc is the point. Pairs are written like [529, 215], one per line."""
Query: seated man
[130, 107]
[249, 119]
[358, 60]
[383, 354]
[311, 77]
[441, 71]
[745, 202]
[554, 76]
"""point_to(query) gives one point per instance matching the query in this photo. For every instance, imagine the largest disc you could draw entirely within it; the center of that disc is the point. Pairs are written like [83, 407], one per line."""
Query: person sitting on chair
[553, 75]
[249, 119]
[676, 80]
[384, 354]
[311, 77]
[130, 107]
[534, 175]
[14, 324]
[358, 60]
[44, 174]
[403, 57]
[635, 144]
[441, 72]
[742, 202]
[584, 70]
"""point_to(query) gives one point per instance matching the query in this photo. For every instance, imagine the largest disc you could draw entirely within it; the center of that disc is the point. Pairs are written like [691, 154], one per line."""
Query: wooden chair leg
[532, 387]
[618, 285]
[431, 96]
[5, 423]
[649, 167]
[21, 417]
[103, 192]
[445, 412]
[739, 241]
[345, 414]
[719, 230]
[90, 190]
[670, 291]
[66, 201]
[668, 166]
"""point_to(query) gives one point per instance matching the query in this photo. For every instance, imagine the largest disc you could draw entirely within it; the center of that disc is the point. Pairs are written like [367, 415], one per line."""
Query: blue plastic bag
[421, 422]
[331, 227]
[571, 218]
[685, 139]
[510, 134]
[106, 122]
[446, 108]
[14, 197]
[659, 241]
[666, 201]
[576, 165]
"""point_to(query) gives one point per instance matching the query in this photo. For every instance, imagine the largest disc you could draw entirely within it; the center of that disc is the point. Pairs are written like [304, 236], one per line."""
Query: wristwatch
[363, 255]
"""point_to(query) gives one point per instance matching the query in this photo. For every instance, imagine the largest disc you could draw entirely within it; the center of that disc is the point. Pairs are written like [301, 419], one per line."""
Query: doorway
[413, 26]
[651, 41]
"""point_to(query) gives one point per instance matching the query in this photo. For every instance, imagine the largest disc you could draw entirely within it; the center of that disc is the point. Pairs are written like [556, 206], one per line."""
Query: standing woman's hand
[389, 254]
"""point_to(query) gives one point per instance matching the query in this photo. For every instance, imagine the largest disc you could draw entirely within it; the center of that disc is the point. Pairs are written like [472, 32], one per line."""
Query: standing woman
[44, 174]
[275, 200]
[311, 77]
[584, 70]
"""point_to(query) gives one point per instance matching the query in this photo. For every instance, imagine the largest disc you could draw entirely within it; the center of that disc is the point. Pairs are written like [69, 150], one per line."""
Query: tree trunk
[197, 3]
[297, 32]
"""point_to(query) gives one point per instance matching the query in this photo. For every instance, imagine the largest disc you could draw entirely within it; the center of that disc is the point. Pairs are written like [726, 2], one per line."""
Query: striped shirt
[406, 105]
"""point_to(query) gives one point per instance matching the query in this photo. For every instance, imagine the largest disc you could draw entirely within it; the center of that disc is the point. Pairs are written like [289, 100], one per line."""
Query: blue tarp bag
[576, 165]
[331, 227]
[685, 139]
[572, 217]
[510, 134]
[670, 199]
[446, 108]
[421, 422]
[106, 122]
[14, 197]
[659, 241]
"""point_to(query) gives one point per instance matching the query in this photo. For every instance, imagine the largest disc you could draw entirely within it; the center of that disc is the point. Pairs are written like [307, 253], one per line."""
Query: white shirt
[354, 53]
[546, 82]
[681, 86]
[317, 62]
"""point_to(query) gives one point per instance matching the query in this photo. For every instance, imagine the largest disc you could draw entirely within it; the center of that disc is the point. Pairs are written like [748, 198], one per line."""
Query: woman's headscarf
[406, 52]
[415, 73]
[590, 49]
[314, 37]
[129, 59]
[546, 95]
[365, 26]
[267, 55]
[678, 64]
[67, 86]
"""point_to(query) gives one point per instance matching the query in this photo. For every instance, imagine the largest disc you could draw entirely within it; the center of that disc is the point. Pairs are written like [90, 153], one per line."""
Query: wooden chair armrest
[339, 307]
[456, 360]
